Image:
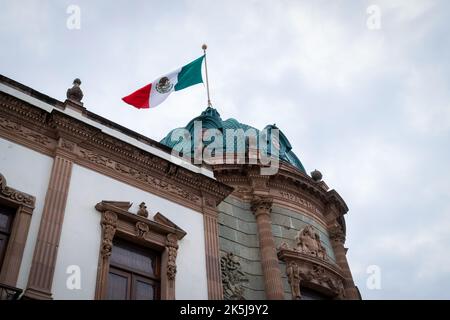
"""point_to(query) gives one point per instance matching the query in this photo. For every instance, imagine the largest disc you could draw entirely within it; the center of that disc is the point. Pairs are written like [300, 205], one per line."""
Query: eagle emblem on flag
[164, 85]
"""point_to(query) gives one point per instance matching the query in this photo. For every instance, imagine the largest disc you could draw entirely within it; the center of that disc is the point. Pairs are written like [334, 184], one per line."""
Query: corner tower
[281, 236]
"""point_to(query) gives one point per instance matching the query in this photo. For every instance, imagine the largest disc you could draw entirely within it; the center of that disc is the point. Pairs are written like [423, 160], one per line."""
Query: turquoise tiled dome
[211, 119]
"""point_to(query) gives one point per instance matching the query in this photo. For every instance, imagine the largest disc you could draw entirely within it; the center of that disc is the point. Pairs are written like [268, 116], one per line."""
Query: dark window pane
[133, 272]
[143, 290]
[118, 286]
[309, 294]
[3, 244]
[131, 256]
[6, 217]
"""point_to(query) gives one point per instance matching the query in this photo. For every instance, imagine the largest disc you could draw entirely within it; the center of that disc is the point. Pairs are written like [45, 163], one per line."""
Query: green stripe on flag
[190, 74]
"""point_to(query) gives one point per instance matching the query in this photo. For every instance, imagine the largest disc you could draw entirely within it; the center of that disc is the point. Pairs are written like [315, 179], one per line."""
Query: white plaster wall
[27, 171]
[80, 236]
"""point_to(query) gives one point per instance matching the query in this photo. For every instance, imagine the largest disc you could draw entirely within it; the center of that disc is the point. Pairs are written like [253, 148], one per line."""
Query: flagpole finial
[204, 47]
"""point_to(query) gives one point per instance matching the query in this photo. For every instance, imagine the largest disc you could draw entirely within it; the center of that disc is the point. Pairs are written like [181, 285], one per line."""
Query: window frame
[23, 204]
[160, 235]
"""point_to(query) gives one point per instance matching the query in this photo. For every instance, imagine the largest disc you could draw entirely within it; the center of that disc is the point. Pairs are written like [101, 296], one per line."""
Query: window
[137, 257]
[310, 294]
[6, 219]
[16, 208]
[134, 272]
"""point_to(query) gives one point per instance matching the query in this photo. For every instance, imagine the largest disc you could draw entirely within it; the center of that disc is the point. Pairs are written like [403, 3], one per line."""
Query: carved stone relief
[294, 279]
[172, 249]
[109, 225]
[308, 241]
[14, 195]
[232, 277]
[141, 229]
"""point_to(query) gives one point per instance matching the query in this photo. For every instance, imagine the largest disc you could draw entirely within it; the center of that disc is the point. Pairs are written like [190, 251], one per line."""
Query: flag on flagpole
[156, 92]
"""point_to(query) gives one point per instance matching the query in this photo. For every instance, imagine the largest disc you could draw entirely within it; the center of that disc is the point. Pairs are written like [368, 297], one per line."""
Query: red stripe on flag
[139, 98]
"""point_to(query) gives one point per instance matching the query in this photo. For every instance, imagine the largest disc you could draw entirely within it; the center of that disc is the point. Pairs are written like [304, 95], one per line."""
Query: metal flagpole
[206, 72]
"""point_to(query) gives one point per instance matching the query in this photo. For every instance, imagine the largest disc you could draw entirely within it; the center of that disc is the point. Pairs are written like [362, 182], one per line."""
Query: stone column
[212, 253]
[337, 238]
[46, 249]
[261, 208]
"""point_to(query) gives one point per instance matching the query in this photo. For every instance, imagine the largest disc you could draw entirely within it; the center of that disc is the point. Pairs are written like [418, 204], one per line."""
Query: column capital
[261, 205]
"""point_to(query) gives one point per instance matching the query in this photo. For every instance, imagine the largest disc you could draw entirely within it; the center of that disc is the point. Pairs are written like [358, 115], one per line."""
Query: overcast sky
[369, 108]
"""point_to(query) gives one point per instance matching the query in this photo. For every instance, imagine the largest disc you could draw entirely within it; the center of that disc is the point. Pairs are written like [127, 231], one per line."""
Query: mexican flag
[156, 92]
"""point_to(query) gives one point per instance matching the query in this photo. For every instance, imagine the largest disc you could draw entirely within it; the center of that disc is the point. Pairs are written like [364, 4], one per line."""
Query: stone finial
[316, 175]
[75, 93]
[142, 210]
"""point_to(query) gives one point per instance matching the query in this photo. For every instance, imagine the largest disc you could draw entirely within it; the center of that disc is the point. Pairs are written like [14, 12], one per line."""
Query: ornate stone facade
[310, 218]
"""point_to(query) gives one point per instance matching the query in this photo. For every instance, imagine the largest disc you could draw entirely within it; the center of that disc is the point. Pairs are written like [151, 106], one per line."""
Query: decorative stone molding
[160, 234]
[18, 197]
[261, 205]
[24, 205]
[88, 146]
[172, 249]
[109, 225]
[141, 229]
[313, 272]
[232, 277]
[294, 183]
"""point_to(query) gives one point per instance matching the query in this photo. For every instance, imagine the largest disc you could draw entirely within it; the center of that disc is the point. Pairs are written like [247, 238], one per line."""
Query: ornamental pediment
[307, 264]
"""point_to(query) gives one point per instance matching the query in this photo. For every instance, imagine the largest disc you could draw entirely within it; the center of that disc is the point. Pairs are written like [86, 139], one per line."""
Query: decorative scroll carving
[172, 249]
[232, 277]
[14, 195]
[141, 229]
[143, 212]
[308, 241]
[294, 279]
[109, 225]
[210, 202]
[66, 145]
[311, 271]
[320, 276]
[337, 234]
[138, 175]
[19, 130]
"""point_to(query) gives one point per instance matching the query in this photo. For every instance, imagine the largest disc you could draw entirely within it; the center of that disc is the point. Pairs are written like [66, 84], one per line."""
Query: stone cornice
[284, 254]
[156, 226]
[287, 178]
[90, 147]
